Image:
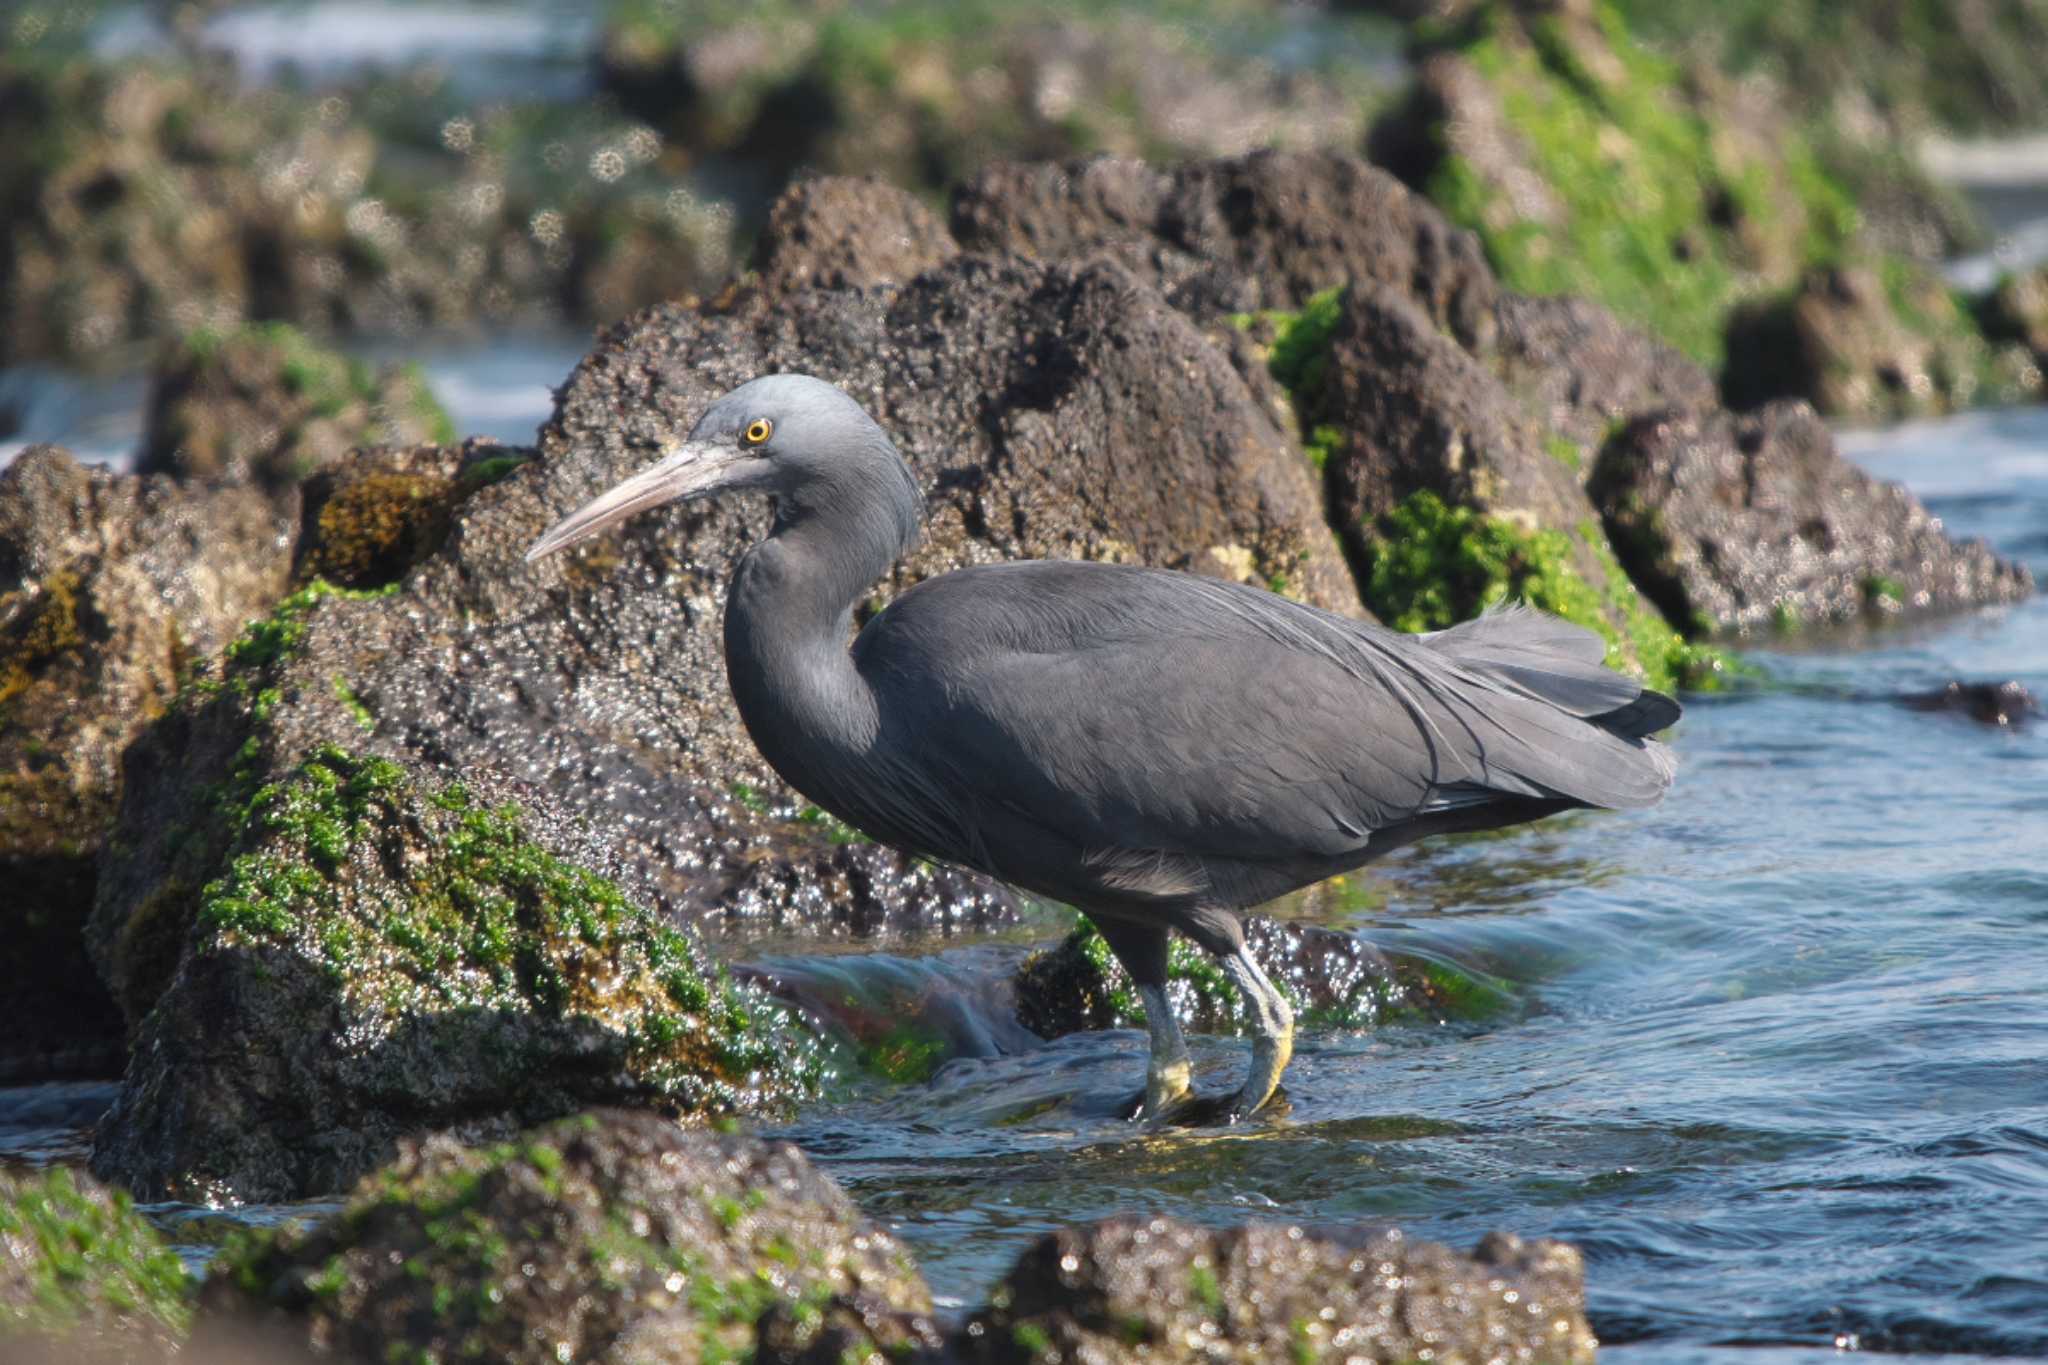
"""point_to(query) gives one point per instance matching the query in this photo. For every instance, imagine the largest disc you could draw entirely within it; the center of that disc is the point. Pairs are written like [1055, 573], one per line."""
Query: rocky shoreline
[384, 866]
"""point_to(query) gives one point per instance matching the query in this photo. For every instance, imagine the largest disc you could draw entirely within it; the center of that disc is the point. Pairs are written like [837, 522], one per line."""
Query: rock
[1875, 342]
[144, 200]
[1591, 167]
[1266, 231]
[110, 586]
[82, 1275]
[848, 1328]
[1751, 522]
[610, 1236]
[1579, 371]
[263, 405]
[1452, 496]
[924, 94]
[365, 521]
[1332, 978]
[1055, 412]
[839, 233]
[1137, 1289]
[378, 957]
[2007, 704]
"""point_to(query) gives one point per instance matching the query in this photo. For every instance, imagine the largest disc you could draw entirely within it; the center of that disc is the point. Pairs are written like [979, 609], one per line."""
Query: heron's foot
[1222, 1111]
[1168, 1085]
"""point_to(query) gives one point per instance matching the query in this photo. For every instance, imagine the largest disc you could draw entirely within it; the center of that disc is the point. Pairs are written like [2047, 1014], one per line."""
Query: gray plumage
[1156, 748]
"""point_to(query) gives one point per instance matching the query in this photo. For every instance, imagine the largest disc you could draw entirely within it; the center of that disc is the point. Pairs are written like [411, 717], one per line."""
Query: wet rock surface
[110, 586]
[1131, 1289]
[610, 1236]
[82, 1275]
[1755, 522]
[262, 405]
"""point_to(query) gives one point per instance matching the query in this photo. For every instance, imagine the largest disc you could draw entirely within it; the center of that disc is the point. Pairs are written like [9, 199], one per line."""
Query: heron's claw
[1190, 1110]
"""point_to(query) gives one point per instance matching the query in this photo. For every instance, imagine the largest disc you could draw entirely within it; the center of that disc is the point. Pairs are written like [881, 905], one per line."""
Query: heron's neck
[788, 625]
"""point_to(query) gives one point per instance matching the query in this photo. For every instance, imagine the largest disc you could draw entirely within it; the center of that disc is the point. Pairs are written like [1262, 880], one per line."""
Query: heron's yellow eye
[758, 430]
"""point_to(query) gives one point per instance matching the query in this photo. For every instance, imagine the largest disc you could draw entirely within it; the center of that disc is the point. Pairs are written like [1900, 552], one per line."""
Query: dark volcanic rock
[1576, 367]
[1741, 523]
[2006, 704]
[836, 232]
[610, 1236]
[1134, 1289]
[263, 405]
[1263, 231]
[110, 584]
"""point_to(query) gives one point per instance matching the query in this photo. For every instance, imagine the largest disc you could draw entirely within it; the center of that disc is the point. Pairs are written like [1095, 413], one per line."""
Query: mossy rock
[606, 1236]
[1449, 489]
[1332, 979]
[79, 1264]
[264, 404]
[398, 956]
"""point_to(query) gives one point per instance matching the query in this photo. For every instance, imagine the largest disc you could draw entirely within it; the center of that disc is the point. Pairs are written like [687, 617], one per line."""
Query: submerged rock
[2007, 704]
[82, 1275]
[263, 405]
[1756, 522]
[377, 957]
[1139, 1289]
[610, 1236]
[110, 586]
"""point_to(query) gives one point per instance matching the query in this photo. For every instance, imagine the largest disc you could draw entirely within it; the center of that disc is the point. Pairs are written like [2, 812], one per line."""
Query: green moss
[78, 1259]
[486, 919]
[1648, 216]
[1565, 451]
[1032, 1339]
[1301, 345]
[264, 643]
[1432, 565]
[346, 695]
[1205, 1291]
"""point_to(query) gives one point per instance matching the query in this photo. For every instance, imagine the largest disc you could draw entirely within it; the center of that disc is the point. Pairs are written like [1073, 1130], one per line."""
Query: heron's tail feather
[1557, 662]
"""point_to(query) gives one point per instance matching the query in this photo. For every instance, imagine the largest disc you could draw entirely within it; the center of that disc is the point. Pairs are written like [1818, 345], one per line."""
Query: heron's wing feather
[1144, 710]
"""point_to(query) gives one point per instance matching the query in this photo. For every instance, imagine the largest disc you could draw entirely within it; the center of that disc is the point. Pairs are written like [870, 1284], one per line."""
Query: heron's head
[796, 438]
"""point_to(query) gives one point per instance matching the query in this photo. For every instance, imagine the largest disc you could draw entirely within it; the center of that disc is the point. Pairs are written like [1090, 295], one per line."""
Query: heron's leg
[1273, 1030]
[1141, 948]
[1168, 1075]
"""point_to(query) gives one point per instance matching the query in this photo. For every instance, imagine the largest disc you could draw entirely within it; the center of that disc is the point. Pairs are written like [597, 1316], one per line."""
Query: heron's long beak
[692, 469]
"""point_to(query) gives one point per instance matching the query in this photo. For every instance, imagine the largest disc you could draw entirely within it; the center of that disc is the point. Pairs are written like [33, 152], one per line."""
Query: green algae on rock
[604, 1236]
[1432, 566]
[78, 1263]
[1331, 978]
[402, 957]
[1578, 158]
